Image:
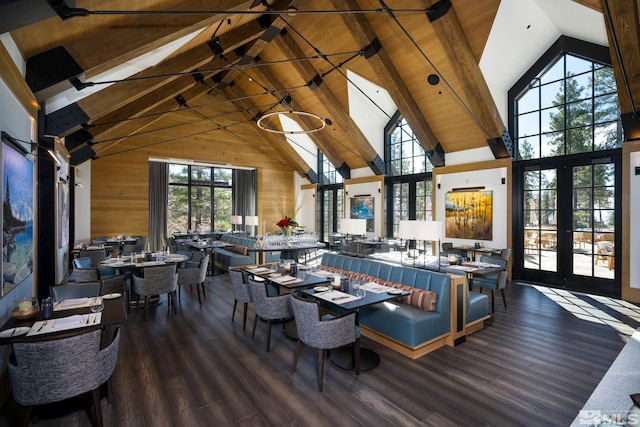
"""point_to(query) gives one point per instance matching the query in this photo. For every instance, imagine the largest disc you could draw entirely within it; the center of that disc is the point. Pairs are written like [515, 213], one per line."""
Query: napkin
[74, 301]
[70, 321]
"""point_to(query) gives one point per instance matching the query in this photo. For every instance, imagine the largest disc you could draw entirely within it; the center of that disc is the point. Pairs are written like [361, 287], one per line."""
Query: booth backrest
[422, 279]
[238, 240]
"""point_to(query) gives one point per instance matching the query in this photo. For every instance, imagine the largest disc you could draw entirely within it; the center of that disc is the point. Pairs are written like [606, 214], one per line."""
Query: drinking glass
[97, 305]
[274, 267]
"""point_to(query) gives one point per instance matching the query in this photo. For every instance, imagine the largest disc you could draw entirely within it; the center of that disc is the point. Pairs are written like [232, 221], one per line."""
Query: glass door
[570, 210]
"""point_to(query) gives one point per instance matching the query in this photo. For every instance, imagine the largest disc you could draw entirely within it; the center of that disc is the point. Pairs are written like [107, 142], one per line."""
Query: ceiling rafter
[340, 117]
[362, 31]
[454, 41]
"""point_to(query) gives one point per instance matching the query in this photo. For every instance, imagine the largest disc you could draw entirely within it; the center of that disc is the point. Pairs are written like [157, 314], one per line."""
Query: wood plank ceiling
[247, 58]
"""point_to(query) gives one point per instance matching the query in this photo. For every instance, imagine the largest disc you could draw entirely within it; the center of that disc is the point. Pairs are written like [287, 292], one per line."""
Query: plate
[111, 296]
[394, 292]
[303, 267]
[320, 288]
[258, 279]
[275, 275]
[14, 332]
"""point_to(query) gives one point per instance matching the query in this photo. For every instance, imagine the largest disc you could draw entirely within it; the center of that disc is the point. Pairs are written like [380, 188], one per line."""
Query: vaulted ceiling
[233, 62]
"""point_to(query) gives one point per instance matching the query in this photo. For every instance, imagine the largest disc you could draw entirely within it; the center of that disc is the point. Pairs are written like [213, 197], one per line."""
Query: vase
[286, 231]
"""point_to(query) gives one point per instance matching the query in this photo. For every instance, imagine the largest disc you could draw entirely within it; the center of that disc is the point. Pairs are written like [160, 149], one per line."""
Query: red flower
[283, 223]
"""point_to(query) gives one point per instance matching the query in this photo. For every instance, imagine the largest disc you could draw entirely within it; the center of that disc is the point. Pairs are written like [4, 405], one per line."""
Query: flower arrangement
[287, 222]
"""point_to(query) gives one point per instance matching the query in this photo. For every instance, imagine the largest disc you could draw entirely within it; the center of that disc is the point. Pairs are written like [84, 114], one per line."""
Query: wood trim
[412, 352]
[17, 84]
[365, 180]
[628, 293]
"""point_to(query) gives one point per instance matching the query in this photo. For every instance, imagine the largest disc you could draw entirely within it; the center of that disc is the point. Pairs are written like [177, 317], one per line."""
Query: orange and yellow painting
[469, 215]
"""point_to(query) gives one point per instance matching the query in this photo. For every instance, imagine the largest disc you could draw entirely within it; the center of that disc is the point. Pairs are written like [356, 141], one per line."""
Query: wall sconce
[503, 179]
[637, 170]
[438, 180]
[379, 188]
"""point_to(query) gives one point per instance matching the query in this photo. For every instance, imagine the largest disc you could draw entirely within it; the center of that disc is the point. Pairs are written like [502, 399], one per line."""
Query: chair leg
[244, 317]
[235, 304]
[173, 302]
[97, 408]
[296, 354]
[493, 305]
[320, 367]
[146, 303]
[504, 299]
[255, 322]
[198, 289]
[204, 293]
[179, 292]
[268, 335]
[25, 415]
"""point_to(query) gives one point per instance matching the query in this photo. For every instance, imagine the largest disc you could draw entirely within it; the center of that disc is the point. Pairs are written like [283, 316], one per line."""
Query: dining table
[69, 317]
[349, 300]
[209, 246]
[472, 269]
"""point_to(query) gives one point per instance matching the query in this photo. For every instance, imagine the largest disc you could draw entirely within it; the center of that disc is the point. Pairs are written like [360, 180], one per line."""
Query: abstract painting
[364, 208]
[469, 215]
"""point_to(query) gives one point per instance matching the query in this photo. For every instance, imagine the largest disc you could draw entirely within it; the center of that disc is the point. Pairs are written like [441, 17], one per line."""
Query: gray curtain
[158, 199]
[245, 193]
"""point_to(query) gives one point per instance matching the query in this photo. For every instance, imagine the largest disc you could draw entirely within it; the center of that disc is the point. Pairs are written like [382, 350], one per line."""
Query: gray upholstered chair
[323, 333]
[54, 370]
[505, 254]
[96, 256]
[494, 281]
[127, 248]
[75, 290]
[157, 280]
[240, 292]
[194, 276]
[116, 284]
[268, 308]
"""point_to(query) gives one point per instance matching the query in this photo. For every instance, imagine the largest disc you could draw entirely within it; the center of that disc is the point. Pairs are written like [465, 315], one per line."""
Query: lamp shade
[353, 226]
[408, 229]
[251, 220]
[236, 219]
[429, 230]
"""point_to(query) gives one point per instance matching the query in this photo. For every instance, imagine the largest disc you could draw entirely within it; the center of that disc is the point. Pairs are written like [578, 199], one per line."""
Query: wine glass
[274, 267]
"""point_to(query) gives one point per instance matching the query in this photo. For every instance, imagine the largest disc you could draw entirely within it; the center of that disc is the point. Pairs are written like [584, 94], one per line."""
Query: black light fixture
[433, 79]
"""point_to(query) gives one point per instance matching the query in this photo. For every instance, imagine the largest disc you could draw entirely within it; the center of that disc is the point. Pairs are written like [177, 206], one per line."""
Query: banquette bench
[237, 253]
[417, 324]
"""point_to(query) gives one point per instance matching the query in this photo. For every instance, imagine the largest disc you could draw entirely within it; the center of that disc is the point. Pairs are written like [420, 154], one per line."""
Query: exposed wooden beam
[623, 31]
[16, 84]
[454, 41]
[341, 117]
[591, 4]
[141, 34]
[362, 31]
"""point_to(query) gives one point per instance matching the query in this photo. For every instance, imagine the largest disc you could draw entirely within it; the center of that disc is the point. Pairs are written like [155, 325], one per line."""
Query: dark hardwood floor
[535, 363]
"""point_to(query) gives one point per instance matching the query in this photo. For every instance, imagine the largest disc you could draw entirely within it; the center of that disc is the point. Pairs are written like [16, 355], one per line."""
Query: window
[409, 173]
[571, 107]
[200, 198]
[330, 202]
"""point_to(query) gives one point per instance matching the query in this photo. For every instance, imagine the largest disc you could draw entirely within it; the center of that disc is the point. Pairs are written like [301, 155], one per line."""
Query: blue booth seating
[405, 328]
[237, 254]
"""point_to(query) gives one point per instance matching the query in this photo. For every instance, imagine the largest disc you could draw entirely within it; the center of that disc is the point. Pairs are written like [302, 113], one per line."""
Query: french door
[569, 222]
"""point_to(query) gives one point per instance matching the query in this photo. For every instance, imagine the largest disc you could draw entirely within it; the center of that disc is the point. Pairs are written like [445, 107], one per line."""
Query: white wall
[491, 180]
[634, 236]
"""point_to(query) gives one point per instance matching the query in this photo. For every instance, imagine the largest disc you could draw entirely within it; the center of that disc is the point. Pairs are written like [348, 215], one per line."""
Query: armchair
[493, 281]
[268, 308]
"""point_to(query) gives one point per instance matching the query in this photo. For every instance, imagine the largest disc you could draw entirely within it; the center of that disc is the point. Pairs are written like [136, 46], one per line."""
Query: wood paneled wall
[120, 181]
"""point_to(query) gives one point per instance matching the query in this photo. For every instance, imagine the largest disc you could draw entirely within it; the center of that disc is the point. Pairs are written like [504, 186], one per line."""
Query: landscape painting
[17, 218]
[469, 215]
[364, 208]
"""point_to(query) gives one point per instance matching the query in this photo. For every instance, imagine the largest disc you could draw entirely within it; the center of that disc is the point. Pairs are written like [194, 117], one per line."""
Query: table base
[343, 358]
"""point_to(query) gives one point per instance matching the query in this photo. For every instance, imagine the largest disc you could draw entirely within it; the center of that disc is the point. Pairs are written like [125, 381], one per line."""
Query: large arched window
[565, 119]
[408, 182]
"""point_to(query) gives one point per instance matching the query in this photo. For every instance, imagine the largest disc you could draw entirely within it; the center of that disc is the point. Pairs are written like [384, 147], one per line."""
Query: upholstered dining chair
[194, 276]
[127, 248]
[157, 280]
[268, 308]
[75, 290]
[57, 369]
[323, 333]
[240, 292]
[505, 254]
[493, 281]
[95, 255]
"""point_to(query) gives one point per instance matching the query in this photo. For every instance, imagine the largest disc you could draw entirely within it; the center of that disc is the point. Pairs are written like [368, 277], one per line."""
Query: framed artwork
[17, 217]
[469, 215]
[363, 208]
